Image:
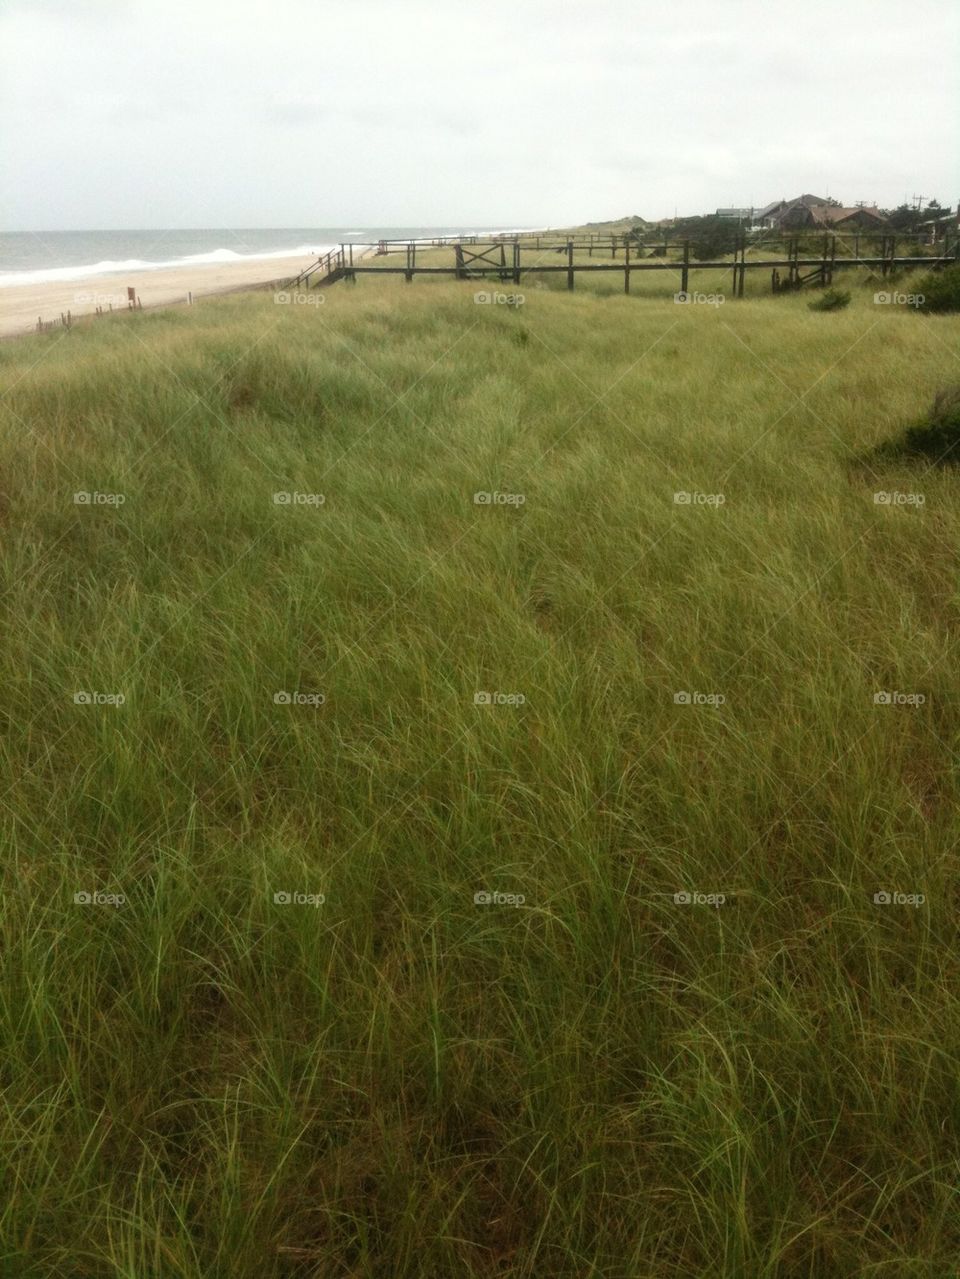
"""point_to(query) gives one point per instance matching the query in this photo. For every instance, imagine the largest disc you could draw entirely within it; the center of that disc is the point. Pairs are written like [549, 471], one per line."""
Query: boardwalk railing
[330, 264]
[657, 239]
[804, 258]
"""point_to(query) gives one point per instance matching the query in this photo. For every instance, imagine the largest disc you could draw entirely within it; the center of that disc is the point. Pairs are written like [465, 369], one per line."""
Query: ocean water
[35, 257]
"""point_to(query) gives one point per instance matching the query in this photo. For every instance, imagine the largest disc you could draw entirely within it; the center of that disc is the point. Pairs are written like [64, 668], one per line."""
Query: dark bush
[940, 290]
[831, 300]
[710, 237]
[936, 437]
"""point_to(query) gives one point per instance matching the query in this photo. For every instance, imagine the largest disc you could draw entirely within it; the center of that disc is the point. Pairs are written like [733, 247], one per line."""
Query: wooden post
[516, 262]
[458, 256]
[685, 272]
[570, 265]
[626, 268]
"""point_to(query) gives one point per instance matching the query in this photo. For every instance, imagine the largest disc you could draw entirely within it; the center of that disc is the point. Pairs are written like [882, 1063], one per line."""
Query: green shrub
[831, 300]
[940, 290]
[936, 436]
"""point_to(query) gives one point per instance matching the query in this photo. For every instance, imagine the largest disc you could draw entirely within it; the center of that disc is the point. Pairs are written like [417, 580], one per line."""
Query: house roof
[944, 216]
[831, 213]
[806, 200]
[771, 208]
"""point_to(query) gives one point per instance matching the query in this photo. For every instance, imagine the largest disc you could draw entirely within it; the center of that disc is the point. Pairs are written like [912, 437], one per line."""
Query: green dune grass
[282, 1038]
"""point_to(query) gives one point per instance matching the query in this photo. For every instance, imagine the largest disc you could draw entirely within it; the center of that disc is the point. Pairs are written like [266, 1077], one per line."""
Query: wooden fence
[510, 258]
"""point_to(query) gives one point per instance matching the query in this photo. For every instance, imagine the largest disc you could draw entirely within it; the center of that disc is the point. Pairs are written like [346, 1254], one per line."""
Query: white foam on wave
[64, 274]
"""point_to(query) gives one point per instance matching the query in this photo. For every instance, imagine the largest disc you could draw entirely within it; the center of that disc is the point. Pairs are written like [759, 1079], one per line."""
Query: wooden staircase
[325, 271]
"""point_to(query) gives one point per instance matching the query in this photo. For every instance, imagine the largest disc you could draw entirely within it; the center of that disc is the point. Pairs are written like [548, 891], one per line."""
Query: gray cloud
[293, 112]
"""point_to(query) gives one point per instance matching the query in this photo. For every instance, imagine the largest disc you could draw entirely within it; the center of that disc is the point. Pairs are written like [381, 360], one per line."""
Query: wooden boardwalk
[510, 259]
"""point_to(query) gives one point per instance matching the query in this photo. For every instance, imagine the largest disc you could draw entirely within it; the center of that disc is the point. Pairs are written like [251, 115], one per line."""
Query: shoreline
[21, 305]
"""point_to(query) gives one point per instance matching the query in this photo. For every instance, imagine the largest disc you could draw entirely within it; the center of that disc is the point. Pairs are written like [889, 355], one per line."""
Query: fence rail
[502, 257]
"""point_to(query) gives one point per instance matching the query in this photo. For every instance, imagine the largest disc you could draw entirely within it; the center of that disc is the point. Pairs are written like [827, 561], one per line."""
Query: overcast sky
[309, 113]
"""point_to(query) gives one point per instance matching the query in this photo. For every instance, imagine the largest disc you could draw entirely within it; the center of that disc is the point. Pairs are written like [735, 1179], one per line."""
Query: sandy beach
[22, 304]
